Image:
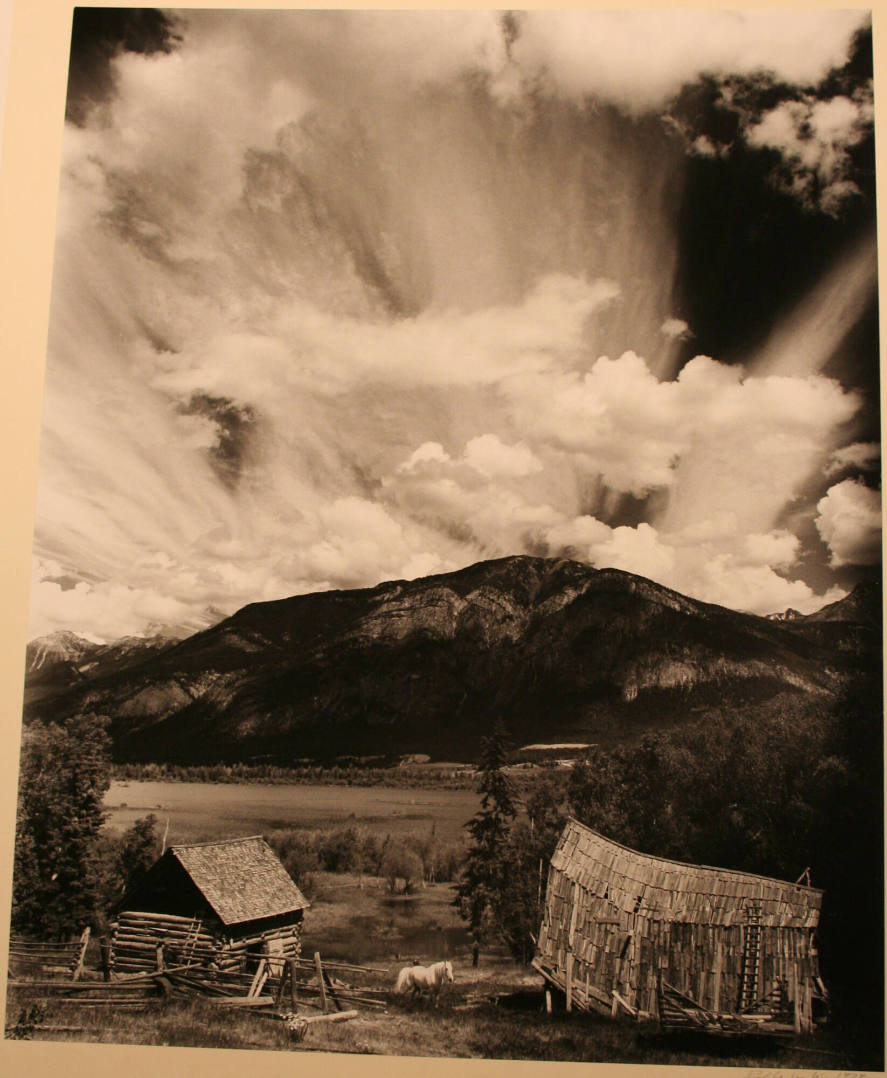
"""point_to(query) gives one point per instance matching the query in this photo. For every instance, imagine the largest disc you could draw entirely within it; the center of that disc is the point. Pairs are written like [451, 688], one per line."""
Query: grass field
[200, 812]
[494, 1011]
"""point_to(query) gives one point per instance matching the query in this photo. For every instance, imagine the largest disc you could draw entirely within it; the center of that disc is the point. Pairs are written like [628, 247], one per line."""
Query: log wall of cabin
[201, 941]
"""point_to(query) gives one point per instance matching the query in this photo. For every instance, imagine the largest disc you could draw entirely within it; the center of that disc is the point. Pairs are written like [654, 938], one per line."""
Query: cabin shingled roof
[675, 891]
[241, 879]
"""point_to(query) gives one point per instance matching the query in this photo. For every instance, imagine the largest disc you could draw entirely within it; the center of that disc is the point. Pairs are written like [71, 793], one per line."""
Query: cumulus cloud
[814, 138]
[731, 449]
[776, 549]
[641, 59]
[708, 562]
[640, 433]
[849, 521]
[491, 457]
[675, 329]
[480, 498]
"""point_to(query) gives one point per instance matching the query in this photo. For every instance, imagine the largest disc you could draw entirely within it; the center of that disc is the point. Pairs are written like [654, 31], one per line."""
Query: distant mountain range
[560, 651]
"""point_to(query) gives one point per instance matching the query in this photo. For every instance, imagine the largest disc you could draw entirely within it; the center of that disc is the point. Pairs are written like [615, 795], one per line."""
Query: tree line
[343, 774]
[404, 862]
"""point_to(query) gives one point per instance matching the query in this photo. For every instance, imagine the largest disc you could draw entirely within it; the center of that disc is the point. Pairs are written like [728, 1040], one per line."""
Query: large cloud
[849, 521]
[326, 312]
[640, 59]
[746, 438]
[732, 451]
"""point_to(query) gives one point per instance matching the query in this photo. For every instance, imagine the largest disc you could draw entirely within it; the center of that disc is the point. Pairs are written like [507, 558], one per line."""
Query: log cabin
[217, 904]
[688, 946]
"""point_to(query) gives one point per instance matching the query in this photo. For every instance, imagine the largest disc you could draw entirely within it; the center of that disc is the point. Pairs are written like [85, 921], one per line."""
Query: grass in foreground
[455, 1028]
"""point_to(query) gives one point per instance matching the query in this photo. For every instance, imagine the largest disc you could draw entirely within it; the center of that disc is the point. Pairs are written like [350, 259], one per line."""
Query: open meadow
[203, 812]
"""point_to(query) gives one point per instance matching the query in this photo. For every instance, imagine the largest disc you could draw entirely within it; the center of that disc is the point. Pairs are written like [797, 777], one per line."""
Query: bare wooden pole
[339, 1016]
[569, 981]
[259, 980]
[294, 973]
[716, 989]
[320, 981]
[281, 984]
[81, 957]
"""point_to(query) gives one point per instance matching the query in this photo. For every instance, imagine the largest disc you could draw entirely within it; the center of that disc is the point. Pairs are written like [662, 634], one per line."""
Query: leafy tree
[339, 850]
[531, 842]
[485, 872]
[120, 863]
[596, 793]
[139, 849]
[399, 862]
[63, 778]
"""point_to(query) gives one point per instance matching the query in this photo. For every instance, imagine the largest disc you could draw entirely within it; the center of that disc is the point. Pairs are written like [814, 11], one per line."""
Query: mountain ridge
[561, 650]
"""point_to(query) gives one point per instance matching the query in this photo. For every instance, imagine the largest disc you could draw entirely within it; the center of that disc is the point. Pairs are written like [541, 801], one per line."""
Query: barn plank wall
[624, 922]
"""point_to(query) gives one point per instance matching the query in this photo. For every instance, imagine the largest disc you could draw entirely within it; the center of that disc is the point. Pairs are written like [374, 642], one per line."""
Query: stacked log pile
[277, 943]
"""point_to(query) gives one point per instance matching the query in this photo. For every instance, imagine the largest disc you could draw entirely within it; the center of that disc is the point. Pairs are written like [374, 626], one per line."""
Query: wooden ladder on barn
[751, 957]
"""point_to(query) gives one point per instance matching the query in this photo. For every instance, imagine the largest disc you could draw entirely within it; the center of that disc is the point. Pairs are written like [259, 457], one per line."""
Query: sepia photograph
[455, 616]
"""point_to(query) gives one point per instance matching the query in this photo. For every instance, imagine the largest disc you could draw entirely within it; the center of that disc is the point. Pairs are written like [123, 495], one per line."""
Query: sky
[344, 297]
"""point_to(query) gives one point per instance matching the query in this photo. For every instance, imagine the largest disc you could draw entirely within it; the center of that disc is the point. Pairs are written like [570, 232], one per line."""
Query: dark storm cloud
[100, 34]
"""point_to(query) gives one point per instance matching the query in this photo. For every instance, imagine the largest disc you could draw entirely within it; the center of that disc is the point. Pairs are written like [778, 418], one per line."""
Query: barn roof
[241, 879]
[660, 889]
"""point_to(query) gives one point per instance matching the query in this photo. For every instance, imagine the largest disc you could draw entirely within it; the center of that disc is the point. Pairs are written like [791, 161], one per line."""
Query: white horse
[430, 979]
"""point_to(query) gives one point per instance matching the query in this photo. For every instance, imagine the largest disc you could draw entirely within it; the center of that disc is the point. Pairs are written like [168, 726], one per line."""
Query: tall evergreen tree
[483, 879]
[64, 774]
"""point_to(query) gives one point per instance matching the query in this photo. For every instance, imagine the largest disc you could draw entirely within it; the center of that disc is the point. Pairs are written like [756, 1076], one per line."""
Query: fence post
[105, 957]
[294, 973]
[320, 982]
[84, 943]
[281, 985]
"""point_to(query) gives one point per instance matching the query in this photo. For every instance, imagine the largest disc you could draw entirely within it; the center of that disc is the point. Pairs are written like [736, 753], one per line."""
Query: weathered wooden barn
[220, 903]
[690, 946]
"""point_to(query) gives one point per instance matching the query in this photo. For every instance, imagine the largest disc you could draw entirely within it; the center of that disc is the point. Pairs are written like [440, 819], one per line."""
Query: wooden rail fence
[279, 986]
